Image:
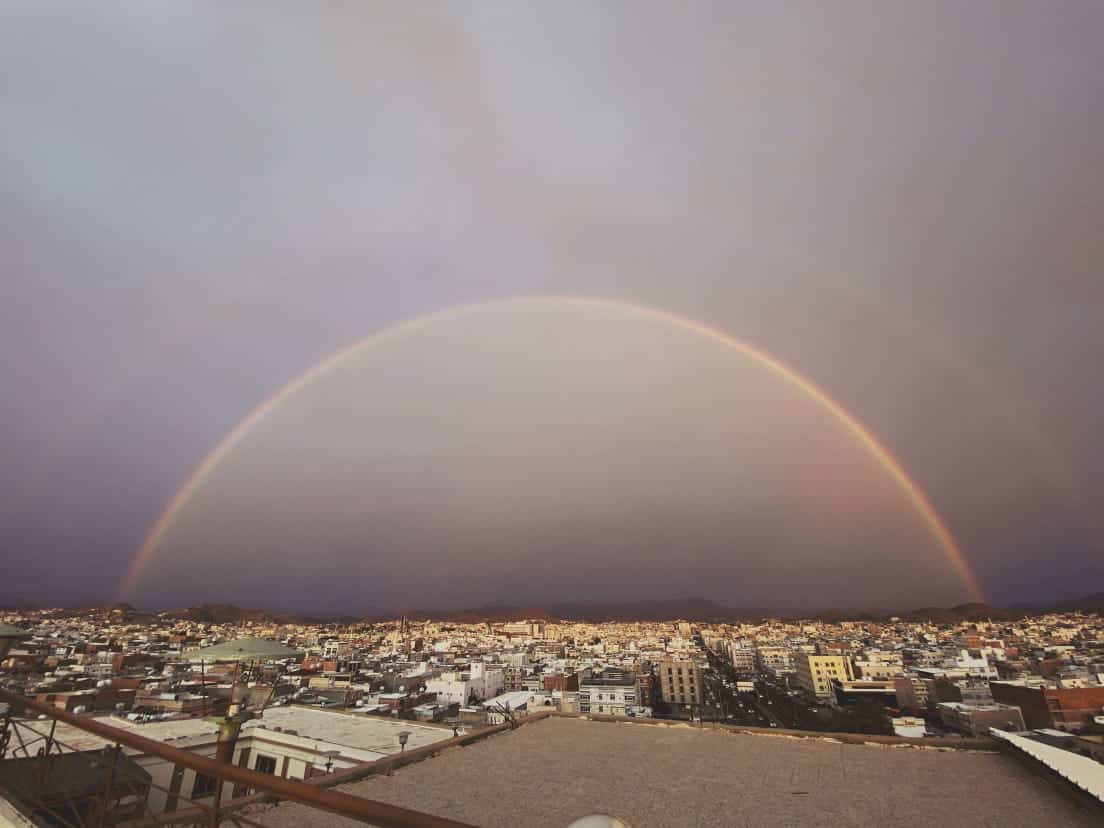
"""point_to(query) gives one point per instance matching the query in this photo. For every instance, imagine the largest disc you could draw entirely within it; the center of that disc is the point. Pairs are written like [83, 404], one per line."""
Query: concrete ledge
[1078, 777]
[975, 743]
[386, 765]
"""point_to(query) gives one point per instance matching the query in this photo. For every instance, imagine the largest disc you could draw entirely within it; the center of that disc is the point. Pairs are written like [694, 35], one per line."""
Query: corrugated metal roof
[1085, 773]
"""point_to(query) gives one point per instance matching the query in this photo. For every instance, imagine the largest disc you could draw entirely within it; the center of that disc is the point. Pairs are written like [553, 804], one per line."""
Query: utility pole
[229, 730]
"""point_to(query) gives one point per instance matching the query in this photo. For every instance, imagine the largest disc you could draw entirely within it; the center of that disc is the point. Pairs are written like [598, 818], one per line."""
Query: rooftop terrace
[547, 773]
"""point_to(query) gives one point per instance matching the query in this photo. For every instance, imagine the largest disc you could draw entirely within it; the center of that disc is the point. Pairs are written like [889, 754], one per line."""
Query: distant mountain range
[203, 614]
[227, 614]
[685, 609]
[689, 609]
[1088, 604]
[704, 609]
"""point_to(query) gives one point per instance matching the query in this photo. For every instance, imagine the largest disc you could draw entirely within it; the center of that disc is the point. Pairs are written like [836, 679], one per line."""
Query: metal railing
[124, 798]
[107, 808]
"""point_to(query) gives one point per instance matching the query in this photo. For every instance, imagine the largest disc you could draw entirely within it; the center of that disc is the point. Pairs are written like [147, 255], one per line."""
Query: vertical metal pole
[5, 730]
[50, 738]
[110, 785]
[229, 728]
[215, 820]
[175, 783]
[44, 757]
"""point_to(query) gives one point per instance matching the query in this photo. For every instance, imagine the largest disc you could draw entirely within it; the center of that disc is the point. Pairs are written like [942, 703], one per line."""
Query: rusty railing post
[216, 805]
[229, 730]
[5, 730]
[45, 754]
[109, 789]
[50, 738]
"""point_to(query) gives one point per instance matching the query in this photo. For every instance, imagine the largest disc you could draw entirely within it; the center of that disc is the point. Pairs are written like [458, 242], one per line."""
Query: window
[204, 786]
[265, 764]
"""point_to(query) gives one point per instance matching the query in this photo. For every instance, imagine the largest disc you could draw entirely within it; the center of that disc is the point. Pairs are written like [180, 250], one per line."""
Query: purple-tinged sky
[901, 201]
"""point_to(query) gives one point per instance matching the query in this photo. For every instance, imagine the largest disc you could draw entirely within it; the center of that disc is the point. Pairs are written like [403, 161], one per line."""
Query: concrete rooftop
[166, 731]
[547, 773]
[355, 730]
[371, 733]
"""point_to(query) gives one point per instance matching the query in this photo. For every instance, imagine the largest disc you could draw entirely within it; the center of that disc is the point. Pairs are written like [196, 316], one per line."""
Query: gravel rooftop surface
[548, 773]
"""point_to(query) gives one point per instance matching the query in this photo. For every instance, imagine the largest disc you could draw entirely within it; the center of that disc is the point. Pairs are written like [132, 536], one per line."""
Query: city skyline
[279, 701]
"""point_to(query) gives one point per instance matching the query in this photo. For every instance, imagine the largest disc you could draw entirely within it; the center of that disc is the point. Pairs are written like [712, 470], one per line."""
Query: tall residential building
[815, 673]
[742, 657]
[680, 681]
[912, 691]
[512, 678]
[774, 659]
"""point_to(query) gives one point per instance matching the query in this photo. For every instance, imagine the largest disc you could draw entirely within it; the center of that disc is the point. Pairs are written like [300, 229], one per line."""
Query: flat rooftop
[550, 772]
[355, 730]
[164, 731]
[360, 731]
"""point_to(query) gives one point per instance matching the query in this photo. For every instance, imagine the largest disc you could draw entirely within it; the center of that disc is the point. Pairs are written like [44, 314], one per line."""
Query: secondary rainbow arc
[935, 524]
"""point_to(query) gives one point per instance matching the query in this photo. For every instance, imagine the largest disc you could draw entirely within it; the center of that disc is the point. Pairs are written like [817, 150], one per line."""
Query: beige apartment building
[680, 681]
[815, 673]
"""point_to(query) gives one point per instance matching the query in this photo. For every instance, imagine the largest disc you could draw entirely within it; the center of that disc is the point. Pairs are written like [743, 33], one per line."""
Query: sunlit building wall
[815, 673]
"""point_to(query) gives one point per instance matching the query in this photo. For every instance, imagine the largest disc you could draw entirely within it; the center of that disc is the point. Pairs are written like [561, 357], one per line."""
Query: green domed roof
[244, 649]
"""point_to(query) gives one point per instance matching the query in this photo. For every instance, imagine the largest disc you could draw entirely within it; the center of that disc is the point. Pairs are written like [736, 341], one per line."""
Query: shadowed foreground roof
[548, 773]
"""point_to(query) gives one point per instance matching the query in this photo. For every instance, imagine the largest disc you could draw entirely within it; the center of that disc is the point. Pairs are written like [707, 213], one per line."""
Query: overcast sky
[904, 202]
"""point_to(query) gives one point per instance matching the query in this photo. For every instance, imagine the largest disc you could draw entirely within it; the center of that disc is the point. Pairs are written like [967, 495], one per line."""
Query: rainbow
[934, 523]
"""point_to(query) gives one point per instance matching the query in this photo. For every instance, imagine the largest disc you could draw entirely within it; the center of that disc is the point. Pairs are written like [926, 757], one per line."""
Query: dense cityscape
[552, 415]
[309, 699]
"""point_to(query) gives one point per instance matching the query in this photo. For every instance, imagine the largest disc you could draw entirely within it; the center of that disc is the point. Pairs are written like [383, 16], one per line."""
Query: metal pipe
[109, 790]
[229, 728]
[366, 810]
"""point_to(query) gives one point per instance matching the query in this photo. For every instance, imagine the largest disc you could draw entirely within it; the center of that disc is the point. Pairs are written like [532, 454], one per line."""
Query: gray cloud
[199, 202]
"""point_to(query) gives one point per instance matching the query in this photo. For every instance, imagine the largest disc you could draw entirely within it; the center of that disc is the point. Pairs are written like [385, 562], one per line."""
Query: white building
[450, 688]
[481, 681]
[612, 697]
[293, 742]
